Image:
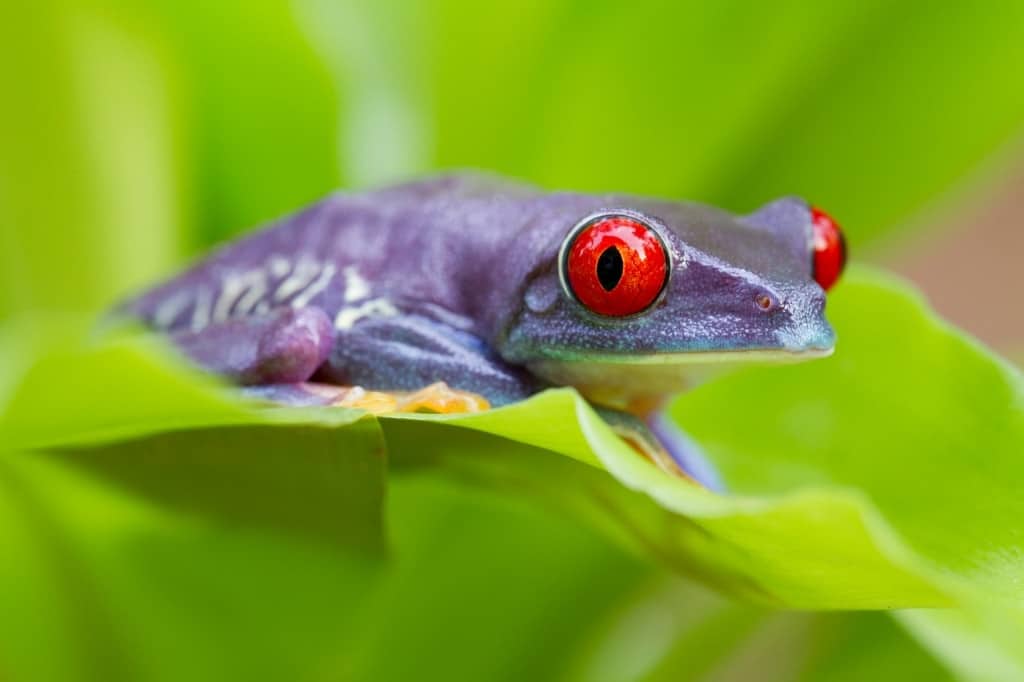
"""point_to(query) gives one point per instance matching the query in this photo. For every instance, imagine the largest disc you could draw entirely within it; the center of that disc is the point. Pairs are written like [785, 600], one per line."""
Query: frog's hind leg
[276, 355]
[283, 346]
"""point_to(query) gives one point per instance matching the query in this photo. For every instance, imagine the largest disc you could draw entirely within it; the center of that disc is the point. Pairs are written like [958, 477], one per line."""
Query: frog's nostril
[766, 302]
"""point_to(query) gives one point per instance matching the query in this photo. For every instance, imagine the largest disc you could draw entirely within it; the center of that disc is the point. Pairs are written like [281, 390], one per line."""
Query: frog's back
[343, 249]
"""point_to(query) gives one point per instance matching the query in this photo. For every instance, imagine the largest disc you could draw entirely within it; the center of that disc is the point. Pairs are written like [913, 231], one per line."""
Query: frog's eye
[829, 249]
[615, 265]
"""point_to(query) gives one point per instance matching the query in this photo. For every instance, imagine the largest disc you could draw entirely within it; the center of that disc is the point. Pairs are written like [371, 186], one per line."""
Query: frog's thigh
[281, 347]
[407, 353]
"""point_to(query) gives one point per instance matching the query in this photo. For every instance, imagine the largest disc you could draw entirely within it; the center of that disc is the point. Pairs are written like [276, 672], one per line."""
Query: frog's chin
[619, 380]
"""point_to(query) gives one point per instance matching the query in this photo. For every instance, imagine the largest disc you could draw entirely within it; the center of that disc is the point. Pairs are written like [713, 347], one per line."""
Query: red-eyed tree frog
[467, 291]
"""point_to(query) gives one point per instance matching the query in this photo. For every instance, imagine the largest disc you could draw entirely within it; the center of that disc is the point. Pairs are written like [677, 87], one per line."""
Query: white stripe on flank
[326, 275]
[167, 312]
[257, 289]
[378, 307]
[279, 266]
[356, 287]
[245, 287]
[305, 272]
[201, 313]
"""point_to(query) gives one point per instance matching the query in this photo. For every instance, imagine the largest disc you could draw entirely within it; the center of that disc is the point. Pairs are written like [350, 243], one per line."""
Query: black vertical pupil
[609, 268]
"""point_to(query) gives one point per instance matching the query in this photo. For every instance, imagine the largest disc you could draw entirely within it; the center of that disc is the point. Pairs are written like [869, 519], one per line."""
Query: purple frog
[498, 290]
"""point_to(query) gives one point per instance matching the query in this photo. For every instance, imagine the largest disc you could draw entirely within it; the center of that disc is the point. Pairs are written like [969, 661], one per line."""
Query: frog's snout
[807, 329]
[807, 303]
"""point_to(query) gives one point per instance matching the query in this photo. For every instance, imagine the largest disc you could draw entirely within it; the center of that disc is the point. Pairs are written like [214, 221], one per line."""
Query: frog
[468, 291]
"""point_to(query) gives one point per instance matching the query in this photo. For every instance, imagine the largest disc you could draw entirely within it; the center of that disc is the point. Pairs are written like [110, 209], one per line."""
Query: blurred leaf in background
[135, 134]
[145, 130]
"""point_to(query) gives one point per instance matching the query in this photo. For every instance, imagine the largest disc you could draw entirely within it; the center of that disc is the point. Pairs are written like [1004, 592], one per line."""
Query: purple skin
[456, 279]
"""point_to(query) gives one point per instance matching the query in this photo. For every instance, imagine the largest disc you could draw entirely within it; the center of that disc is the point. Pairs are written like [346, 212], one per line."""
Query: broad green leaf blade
[124, 388]
[136, 591]
[309, 479]
[480, 586]
[486, 587]
[36, 621]
[823, 513]
[924, 422]
[127, 411]
[672, 630]
[916, 510]
[809, 549]
[982, 643]
[855, 647]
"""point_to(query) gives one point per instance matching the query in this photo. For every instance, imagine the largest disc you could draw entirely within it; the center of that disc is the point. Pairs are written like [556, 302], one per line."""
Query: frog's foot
[651, 450]
[437, 398]
[683, 451]
[355, 397]
[638, 435]
[441, 399]
[659, 440]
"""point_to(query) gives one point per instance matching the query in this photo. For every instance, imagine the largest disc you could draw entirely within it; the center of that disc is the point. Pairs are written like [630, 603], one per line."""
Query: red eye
[616, 266]
[829, 249]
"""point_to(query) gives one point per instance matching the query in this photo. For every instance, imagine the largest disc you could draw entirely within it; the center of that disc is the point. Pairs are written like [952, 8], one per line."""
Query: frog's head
[643, 298]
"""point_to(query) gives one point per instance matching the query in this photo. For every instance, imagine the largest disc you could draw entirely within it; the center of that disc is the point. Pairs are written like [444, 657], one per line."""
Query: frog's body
[460, 279]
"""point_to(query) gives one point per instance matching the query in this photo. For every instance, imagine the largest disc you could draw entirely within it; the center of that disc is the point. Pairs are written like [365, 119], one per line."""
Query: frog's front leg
[406, 353]
[283, 346]
[684, 450]
[658, 439]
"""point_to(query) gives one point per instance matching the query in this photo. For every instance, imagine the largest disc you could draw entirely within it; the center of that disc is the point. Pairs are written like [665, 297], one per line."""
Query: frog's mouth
[747, 356]
[611, 378]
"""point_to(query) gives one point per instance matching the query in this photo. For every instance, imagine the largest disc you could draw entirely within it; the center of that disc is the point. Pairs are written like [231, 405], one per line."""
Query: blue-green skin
[457, 279]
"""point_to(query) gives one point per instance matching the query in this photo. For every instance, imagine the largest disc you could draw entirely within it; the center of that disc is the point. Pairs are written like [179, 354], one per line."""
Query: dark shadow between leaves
[323, 483]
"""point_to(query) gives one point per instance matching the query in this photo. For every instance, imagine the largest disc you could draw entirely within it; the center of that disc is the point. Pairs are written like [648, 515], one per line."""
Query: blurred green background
[133, 135]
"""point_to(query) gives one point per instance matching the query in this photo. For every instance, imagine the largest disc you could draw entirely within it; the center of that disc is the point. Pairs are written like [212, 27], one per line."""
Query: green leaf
[670, 629]
[981, 643]
[111, 585]
[125, 411]
[133, 509]
[823, 513]
[510, 590]
[916, 510]
[155, 514]
[926, 423]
